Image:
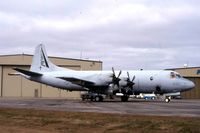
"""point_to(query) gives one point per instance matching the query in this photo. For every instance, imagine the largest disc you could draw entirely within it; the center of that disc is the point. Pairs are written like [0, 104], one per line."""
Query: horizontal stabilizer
[28, 73]
[14, 74]
[81, 82]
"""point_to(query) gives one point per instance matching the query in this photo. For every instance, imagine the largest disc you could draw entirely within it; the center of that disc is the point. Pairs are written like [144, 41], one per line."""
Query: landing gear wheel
[124, 98]
[92, 99]
[167, 100]
[101, 99]
[98, 99]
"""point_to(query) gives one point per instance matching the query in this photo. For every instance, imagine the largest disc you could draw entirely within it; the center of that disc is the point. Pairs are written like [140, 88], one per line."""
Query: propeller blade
[113, 71]
[119, 73]
[128, 76]
[133, 78]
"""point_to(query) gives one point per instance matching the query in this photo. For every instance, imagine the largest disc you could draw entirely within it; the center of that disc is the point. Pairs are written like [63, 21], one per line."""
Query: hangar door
[194, 93]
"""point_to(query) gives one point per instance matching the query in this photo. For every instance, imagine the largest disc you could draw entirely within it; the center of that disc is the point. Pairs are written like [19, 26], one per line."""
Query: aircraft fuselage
[145, 81]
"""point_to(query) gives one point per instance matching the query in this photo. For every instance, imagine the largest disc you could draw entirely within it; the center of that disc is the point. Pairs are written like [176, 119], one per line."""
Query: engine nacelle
[126, 91]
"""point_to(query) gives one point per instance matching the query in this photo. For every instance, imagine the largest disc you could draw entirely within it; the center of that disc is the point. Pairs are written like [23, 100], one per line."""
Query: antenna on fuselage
[185, 65]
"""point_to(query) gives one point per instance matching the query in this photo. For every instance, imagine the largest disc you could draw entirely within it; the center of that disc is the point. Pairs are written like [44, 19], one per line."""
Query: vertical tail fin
[40, 62]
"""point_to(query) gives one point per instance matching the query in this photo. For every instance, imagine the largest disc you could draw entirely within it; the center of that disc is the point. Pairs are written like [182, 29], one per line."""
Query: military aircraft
[127, 82]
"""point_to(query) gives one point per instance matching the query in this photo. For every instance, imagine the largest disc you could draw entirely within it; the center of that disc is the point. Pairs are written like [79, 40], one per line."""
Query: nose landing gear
[167, 99]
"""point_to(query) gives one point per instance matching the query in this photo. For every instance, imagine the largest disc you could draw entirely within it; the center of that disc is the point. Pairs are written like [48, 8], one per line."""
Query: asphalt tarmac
[189, 108]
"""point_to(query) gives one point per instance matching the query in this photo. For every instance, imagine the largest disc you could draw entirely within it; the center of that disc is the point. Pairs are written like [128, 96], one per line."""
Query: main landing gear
[98, 98]
[92, 97]
[124, 98]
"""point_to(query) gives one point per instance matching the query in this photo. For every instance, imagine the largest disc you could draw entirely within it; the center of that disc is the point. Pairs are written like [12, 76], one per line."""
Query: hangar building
[17, 86]
[193, 74]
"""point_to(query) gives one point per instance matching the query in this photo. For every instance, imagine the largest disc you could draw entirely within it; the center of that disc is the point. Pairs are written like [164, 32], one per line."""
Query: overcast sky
[125, 34]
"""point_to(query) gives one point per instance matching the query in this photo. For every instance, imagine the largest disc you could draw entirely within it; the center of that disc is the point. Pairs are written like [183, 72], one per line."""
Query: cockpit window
[175, 75]
[178, 76]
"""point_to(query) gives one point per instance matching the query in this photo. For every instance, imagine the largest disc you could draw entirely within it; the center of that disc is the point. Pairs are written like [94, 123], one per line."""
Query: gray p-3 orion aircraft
[127, 82]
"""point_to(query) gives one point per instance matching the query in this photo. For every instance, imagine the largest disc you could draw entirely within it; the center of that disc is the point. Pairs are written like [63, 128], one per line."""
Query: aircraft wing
[81, 82]
[26, 72]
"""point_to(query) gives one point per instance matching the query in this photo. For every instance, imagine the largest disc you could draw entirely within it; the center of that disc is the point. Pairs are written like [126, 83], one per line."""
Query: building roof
[187, 71]
[52, 57]
[178, 68]
[26, 59]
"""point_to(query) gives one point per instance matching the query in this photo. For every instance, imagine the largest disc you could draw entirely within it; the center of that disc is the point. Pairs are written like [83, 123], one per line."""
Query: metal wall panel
[1, 79]
[11, 84]
[29, 88]
[70, 95]
[194, 93]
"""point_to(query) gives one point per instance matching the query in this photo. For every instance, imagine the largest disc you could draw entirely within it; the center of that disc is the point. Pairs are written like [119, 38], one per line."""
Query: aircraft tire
[101, 98]
[92, 99]
[167, 100]
[97, 98]
[124, 98]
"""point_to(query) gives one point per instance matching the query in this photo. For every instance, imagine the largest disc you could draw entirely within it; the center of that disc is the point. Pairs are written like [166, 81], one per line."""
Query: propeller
[116, 79]
[114, 84]
[130, 82]
[129, 85]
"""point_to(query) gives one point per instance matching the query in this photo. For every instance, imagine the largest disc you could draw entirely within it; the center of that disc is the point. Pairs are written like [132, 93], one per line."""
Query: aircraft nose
[190, 85]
